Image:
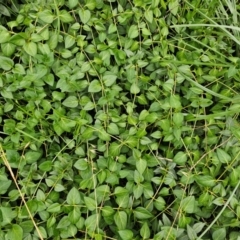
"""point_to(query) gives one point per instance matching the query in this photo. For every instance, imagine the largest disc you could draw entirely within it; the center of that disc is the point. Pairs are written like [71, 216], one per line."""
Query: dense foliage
[119, 119]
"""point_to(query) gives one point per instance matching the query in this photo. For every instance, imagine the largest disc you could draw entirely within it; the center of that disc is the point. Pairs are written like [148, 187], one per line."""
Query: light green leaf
[149, 15]
[175, 101]
[145, 231]
[142, 213]
[72, 3]
[223, 156]
[198, 227]
[73, 197]
[69, 41]
[178, 119]
[94, 86]
[180, 158]
[159, 203]
[46, 16]
[71, 102]
[54, 208]
[8, 49]
[84, 15]
[112, 28]
[6, 63]
[109, 79]
[205, 180]
[219, 234]
[188, 204]
[81, 164]
[33, 156]
[145, 141]
[141, 165]
[90, 203]
[92, 222]
[133, 31]
[65, 16]
[120, 219]
[134, 89]
[126, 234]
[16, 232]
[63, 223]
[112, 128]
[173, 6]
[30, 48]
[74, 215]
[138, 191]
[191, 233]
[7, 213]
[5, 36]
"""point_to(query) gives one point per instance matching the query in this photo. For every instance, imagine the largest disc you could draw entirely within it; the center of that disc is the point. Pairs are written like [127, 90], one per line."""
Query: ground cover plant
[119, 119]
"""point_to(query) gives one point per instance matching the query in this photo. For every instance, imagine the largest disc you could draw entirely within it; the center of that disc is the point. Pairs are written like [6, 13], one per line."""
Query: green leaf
[5, 35]
[145, 141]
[71, 102]
[109, 79]
[84, 15]
[94, 86]
[74, 215]
[191, 233]
[175, 102]
[141, 165]
[137, 191]
[92, 222]
[46, 166]
[113, 129]
[54, 208]
[7, 213]
[46, 16]
[6, 63]
[149, 15]
[120, 219]
[112, 28]
[81, 164]
[188, 204]
[8, 49]
[223, 156]
[65, 16]
[30, 48]
[219, 234]
[90, 203]
[180, 158]
[173, 6]
[73, 197]
[126, 234]
[133, 31]
[32, 156]
[69, 41]
[145, 231]
[134, 89]
[16, 232]
[206, 181]
[178, 119]
[72, 3]
[142, 213]
[64, 222]
[198, 227]
[159, 203]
